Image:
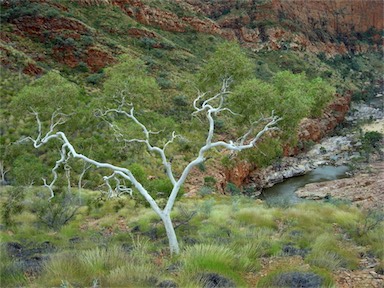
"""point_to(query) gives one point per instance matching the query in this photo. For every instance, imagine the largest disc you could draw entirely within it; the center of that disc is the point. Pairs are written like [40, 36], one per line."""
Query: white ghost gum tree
[210, 107]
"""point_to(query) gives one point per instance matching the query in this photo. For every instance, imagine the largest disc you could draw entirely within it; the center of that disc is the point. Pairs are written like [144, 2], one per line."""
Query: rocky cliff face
[331, 26]
[333, 16]
[346, 21]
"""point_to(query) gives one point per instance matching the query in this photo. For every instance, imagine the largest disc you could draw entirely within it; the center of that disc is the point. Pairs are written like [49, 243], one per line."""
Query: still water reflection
[284, 192]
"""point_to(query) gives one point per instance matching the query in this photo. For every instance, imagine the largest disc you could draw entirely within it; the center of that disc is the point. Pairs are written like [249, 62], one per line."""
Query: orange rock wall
[311, 25]
[334, 15]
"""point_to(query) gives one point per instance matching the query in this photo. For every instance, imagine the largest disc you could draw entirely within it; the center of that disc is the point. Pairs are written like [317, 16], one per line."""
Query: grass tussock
[112, 266]
[11, 274]
[327, 252]
[260, 217]
[113, 244]
[203, 258]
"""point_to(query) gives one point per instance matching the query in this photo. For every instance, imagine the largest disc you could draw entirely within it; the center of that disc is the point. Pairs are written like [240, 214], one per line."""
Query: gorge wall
[330, 26]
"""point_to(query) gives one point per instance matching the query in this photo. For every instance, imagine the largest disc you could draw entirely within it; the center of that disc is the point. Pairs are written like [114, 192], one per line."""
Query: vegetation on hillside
[293, 96]
[81, 239]
[118, 243]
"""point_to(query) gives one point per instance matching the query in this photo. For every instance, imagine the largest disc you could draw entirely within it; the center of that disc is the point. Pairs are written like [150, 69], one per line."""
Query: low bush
[58, 211]
[94, 79]
[12, 205]
[298, 279]
[327, 252]
[200, 259]
[284, 275]
[205, 190]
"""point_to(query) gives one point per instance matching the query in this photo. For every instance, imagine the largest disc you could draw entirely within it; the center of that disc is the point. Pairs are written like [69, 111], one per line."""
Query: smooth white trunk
[211, 106]
[172, 239]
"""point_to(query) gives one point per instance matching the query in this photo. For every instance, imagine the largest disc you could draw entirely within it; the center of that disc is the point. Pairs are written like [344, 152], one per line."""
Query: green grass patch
[200, 259]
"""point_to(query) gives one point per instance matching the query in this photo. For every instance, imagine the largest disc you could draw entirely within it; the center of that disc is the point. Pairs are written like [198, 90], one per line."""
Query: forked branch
[211, 107]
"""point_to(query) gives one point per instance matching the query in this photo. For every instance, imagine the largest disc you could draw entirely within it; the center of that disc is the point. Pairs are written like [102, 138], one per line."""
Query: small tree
[211, 106]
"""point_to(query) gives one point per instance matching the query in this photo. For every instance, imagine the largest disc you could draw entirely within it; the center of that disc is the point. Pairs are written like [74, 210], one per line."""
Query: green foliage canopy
[27, 169]
[48, 94]
[291, 96]
[228, 61]
[129, 78]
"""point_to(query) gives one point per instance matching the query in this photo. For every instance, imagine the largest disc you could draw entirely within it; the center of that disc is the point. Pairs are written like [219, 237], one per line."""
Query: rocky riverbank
[335, 150]
[364, 189]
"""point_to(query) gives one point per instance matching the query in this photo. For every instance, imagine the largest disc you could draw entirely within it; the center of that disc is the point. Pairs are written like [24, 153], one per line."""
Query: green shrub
[209, 181]
[372, 142]
[22, 8]
[86, 40]
[180, 100]
[27, 170]
[206, 207]
[94, 79]
[162, 188]
[232, 189]
[164, 83]
[139, 172]
[368, 231]
[12, 205]
[372, 139]
[205, 190]
[147, 43]
[58, 211]
[82, 67]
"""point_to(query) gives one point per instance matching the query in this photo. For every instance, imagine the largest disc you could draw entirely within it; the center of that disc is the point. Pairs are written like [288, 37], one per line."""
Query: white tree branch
[59, 162]
[146, 140]
[3, 172]
[68, 149]
[86, 167]
[211, 107]
[119, 188]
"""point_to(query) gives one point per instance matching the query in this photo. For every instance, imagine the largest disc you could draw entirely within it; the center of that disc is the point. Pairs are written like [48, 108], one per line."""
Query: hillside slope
[36, 34]
[338, 41]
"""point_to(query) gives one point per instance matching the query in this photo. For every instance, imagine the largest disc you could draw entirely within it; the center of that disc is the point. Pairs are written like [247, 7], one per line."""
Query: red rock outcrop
[96, 58]
[65, 34]
[151, 16]
[32, 69]
[273, 24]
[138, 33]
[239, 173]
[334, 16]
[330, 26]
[315, 129]
[37, 26]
